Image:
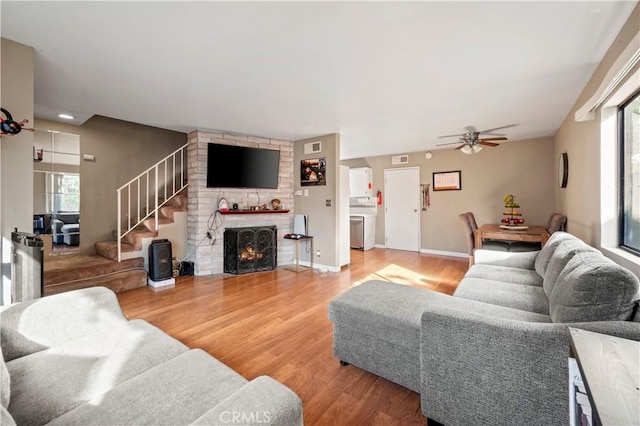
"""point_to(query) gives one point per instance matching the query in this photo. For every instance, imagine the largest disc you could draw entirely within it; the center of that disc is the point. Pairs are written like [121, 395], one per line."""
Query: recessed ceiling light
[66, 116]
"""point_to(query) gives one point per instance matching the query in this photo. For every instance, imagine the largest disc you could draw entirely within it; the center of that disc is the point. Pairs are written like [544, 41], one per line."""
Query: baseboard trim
[445, 253]
[436, 252]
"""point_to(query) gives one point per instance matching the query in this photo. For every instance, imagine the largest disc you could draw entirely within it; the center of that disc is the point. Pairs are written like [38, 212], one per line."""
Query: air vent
[400, 159]
[312, 147]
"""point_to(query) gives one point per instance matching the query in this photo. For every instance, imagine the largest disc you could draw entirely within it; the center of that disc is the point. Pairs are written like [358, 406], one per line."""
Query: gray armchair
[66, 228]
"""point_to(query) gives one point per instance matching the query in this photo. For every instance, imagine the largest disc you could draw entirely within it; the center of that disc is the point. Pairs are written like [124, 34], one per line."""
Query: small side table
[297, 267]
[610, 369]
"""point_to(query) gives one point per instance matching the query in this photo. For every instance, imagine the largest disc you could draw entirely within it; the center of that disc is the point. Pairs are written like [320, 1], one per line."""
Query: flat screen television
[230, 166]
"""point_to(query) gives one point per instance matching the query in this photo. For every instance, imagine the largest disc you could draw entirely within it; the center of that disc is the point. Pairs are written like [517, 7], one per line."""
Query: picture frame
[447, 181]
[313, 172]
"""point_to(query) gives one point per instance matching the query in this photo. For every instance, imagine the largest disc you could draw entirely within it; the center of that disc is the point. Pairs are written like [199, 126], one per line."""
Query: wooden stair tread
[109, 249]
[146, 229]
[71, 268]
[124, 247]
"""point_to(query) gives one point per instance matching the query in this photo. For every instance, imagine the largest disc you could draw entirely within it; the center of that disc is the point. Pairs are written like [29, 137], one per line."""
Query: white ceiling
[390, 77]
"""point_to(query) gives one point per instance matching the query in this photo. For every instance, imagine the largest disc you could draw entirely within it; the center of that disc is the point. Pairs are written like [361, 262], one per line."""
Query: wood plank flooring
[275, 323]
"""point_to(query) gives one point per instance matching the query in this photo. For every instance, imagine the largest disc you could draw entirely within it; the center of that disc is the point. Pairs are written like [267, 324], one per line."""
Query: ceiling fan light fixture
[466, 149]
[476, 148]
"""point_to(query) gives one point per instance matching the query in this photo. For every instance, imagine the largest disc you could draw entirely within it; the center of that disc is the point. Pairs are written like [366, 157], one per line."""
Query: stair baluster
[175, 174]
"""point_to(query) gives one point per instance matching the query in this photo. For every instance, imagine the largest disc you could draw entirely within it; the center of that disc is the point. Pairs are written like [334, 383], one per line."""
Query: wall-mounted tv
[230, 166]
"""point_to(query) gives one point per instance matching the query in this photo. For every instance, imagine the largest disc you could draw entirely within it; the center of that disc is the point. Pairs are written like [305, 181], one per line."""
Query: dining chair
[557, 222]
[470, 225]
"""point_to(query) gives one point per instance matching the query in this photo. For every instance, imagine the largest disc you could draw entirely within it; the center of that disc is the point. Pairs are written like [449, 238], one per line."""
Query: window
[63, 192]
[630, 174]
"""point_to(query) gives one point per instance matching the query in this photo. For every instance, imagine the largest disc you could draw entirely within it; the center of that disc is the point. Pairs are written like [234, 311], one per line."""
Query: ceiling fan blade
[481, 142]
[452, 143]
[461, 146]
[449, 136]
[497, 128]
[502, 138]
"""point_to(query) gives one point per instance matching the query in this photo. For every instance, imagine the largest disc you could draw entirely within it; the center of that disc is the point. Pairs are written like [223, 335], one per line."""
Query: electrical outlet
[306, 192]
[317, 253]
[328, 203]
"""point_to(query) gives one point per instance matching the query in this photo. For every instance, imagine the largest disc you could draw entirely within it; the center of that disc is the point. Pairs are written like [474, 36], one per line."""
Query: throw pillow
[542, 261]
[564, 252]
[593, 288]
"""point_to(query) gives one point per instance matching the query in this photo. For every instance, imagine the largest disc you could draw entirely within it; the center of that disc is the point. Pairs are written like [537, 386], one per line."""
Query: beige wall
[523, 168]
[122, 150]
[322, 219]
[16, 177]
[581, 200]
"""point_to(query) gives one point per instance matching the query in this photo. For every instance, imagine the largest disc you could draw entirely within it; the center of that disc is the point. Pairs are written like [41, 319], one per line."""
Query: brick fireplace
[208, 253]
[250, 249]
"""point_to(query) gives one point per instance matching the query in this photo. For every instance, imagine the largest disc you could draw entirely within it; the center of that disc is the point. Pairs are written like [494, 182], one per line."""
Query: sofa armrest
[56, 226]
[38, 324]
[521, 260]
[479, 368]
[262, 401]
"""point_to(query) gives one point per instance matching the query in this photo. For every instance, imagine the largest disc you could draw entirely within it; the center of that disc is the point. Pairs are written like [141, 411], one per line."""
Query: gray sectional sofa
[74, 359]
[496, 351]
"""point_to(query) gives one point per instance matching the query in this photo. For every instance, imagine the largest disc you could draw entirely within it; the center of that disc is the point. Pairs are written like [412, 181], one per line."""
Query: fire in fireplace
[250, 249]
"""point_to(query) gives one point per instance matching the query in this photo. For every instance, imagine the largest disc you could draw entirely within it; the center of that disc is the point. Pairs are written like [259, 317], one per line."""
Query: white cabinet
[360, 182]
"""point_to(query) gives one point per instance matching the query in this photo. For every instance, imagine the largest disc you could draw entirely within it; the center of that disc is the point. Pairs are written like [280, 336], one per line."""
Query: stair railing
[149, 191]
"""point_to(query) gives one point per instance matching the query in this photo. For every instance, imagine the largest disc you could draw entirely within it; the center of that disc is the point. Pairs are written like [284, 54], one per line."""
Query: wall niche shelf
[253, 211]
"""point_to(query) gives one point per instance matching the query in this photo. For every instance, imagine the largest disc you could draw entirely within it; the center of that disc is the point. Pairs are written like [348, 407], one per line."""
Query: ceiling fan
[470, 141]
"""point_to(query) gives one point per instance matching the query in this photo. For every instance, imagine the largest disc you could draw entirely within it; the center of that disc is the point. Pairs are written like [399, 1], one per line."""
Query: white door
[402, 208]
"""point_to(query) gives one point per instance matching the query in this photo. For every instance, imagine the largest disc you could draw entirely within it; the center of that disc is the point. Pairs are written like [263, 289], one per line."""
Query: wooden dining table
[533, 234]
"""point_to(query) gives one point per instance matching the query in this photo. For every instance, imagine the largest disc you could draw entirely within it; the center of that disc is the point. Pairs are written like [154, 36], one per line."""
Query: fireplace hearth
[250, 249]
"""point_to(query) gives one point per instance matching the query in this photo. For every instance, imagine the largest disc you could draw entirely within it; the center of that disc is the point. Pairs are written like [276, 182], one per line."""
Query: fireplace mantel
[253, 211]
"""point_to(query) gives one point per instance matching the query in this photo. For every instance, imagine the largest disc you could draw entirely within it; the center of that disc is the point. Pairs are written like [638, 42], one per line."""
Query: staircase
[131, 244]
[147, 206]
[146, 202]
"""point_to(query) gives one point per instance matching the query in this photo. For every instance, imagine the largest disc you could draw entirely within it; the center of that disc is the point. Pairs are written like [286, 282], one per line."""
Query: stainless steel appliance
[363, 231]
[357, 232]
[362, 214]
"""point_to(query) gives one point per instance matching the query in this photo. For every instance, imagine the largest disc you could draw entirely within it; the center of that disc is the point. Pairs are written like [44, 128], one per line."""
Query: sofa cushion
[262, 400]
[48, 383]
[176, 392]
[592, 287]
[517, 296]
[389, 311]
[505, 274]
[5, 417]
[564, 252]
[520, 260]
[5, 382]
[544, 257]
[38, 324]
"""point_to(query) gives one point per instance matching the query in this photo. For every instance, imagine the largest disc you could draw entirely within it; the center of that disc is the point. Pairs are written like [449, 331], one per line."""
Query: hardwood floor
[275, 323]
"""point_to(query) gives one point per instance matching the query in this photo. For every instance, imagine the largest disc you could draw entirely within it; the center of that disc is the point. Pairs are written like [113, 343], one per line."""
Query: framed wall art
[313, 172]
[447, 181]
